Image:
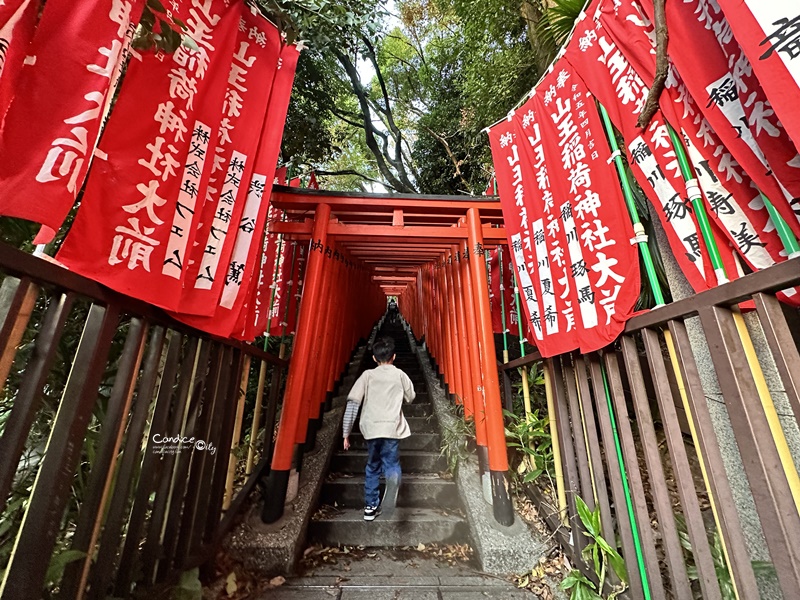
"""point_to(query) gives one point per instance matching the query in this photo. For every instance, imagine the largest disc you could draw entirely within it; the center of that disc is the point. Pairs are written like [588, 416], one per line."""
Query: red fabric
[229, 198]
[490, 188]
[559, 185]
[124, 236]
[54, 118]
[280, 176]
[731, 199]
[765, 31]
[232, 314]
[598, 231]
[17, 26]
[730, 96]
[295, 182]
[518, 196]
[298, 276]
[312, 182]
[254, 319]
[504, 289]
[281, 297]
[622, 92]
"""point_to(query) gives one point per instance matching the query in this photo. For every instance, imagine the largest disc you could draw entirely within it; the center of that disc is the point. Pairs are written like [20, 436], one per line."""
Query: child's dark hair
[383, 349]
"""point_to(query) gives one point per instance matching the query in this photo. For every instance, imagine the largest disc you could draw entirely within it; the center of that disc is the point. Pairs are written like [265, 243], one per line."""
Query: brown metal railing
[135, 510]
[640, 390]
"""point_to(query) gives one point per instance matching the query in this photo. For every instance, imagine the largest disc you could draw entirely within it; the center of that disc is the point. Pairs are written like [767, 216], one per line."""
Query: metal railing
[616, 408]
[128, 441]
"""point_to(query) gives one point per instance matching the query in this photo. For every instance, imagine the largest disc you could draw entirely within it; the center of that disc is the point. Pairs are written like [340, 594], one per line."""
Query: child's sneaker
[370, 512]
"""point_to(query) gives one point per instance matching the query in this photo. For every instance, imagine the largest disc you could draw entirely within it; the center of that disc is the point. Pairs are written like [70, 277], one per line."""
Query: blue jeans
[383, 455]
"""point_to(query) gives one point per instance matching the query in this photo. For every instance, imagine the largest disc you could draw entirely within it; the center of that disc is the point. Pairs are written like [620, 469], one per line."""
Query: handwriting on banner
[67, 156]
[135, 241]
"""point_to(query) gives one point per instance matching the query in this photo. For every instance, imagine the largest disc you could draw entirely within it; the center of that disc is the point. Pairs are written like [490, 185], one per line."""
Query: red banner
[519, 195]
[60, 97]
[502, 287]
[578, 271]
[140, 209]
[296, 288]
[768, 33]
[280, 298]
[600, 262]
[230, 195]
[622, 92]
[254, 318]
[731, 97]
[17, 26]
[733, 201]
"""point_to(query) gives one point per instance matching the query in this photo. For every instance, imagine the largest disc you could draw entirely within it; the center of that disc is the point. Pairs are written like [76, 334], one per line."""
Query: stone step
[405, 527]
[411, 461]
[430, 442]
[426, 490]
[426, 424]
[418, 409]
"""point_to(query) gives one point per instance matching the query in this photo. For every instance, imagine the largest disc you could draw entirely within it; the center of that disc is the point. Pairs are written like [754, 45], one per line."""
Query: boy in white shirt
[381, 392]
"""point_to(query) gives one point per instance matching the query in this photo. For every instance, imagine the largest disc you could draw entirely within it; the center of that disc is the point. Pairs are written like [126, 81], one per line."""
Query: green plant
[535, 386]
[718, 556]
[456, 436]
[600, 555]
[533, 443]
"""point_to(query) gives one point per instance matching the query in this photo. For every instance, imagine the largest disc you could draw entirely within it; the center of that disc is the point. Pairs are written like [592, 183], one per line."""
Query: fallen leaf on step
[277, 581]
[230, 584]
[421, 547]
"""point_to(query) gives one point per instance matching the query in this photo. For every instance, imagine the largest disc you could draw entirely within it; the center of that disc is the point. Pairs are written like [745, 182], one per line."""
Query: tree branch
[443, 141]
[662, 65]
[400, 184]
[354, 173]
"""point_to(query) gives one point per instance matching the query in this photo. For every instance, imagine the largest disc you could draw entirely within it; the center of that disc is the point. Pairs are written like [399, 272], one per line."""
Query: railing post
[498, 460]
[278, 479]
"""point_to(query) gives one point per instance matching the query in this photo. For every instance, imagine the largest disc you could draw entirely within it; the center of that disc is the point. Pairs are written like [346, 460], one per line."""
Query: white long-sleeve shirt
[382, 391]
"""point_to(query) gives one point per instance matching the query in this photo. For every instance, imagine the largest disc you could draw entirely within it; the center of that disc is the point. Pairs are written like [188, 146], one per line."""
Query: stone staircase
[428, 507]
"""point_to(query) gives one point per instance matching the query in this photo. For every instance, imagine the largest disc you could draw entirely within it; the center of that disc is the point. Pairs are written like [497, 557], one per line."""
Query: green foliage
[59, 562]
[600, 555]
[718, 556]
[159, 30]
[456, 438]
[532, 443]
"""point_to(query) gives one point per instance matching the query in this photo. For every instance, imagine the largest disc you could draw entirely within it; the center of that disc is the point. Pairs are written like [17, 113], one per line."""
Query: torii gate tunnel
[429, 252]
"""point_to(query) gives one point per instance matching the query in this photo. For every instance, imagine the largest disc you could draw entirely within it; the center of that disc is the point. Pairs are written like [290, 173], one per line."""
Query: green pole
[519, 318]
[644, 249]
[638, 229]
[502, 305]
[637, 544]
[784, 232]
[695, 197]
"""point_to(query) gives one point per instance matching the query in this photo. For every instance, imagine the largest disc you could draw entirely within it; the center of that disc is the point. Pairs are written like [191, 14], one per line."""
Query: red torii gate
[428, 251]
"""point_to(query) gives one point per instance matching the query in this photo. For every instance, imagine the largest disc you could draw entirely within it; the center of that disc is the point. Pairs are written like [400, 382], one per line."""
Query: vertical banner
[769, 33]
[586, 268]
[502, 288]
[241, 273]
[518, 195]
[623, 93]
[54, 118]
[17, 26]
[139, 212]
[733, 202]
[730, 96]
[602, 263]
[229, 194]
